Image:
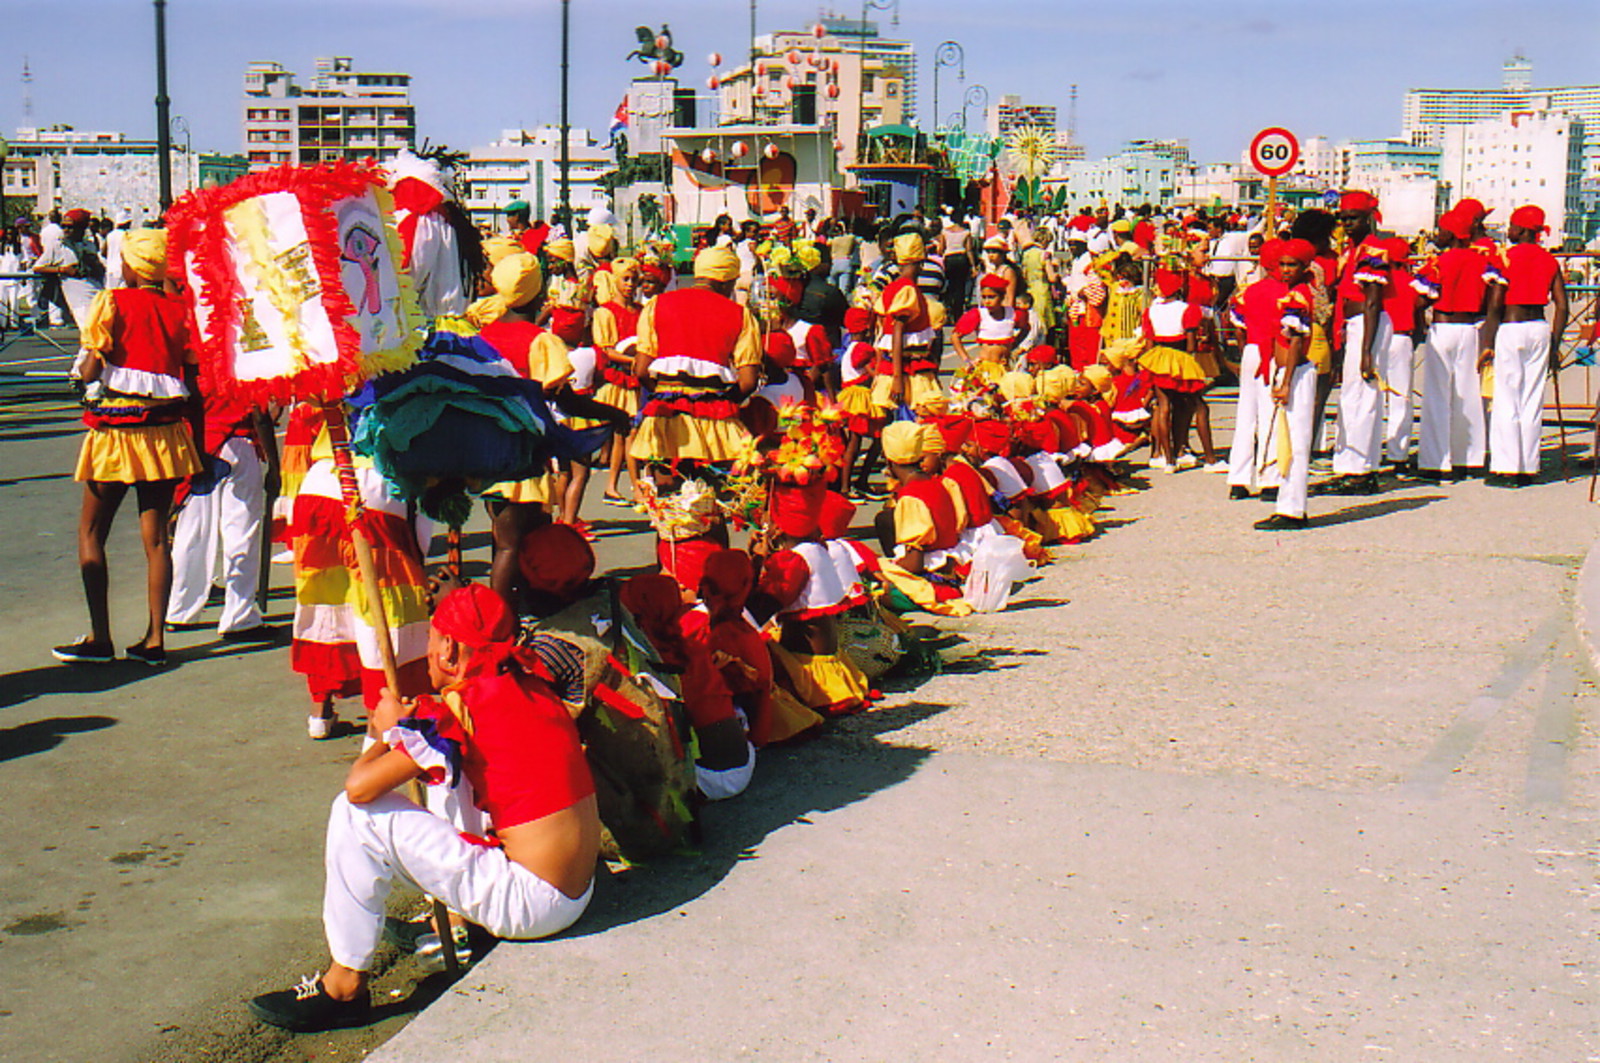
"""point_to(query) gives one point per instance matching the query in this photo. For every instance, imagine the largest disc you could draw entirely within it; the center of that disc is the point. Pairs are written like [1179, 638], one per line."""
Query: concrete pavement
[1220, 795]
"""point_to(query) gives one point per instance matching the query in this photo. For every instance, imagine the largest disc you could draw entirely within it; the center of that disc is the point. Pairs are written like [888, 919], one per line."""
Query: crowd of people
[981, 384]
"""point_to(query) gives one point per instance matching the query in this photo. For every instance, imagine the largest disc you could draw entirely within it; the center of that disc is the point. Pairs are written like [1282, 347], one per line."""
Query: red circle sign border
[1274, 171]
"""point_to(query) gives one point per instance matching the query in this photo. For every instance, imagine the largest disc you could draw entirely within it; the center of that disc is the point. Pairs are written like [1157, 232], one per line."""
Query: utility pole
[163, 104]
[566, 128]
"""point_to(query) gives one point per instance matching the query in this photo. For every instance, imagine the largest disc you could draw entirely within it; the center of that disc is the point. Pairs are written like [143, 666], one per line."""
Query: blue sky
[1213, 72]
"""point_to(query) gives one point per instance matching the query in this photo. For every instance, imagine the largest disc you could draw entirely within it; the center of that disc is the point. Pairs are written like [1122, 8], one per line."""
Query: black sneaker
[1238, 493]
[1269, 494]
[1281, 522]
[308, 1009]
[155, 658]
[1353, 485]
[84, 652]
[259, 633]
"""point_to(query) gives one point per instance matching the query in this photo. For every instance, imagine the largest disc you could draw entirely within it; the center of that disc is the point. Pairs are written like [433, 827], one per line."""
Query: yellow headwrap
[602, 241]
[144, 254]
[716, 264]
[498, 247]
[517, 280]
[1016, 386]
[932, 440]
[1119, 353]
[623, 268]
[908, 247]
[1057, 382]
[561, 250]
[902, 443]
[1099, 378]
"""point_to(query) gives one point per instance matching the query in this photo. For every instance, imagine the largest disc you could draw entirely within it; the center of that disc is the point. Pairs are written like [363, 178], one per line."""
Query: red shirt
[932, 493]
[523, 757]
[1459, 278]
[697, 323]
[1529, 271]
[513, 339]
[974, 490]
[1258, 307]
[1365, 263]
[1400, 300]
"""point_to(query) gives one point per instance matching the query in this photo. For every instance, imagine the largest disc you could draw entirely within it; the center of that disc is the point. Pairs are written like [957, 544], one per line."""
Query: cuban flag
[619, 121]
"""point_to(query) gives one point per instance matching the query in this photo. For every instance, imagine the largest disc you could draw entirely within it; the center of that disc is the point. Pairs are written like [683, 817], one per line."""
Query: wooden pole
[367, 569]
[1272, 208]
[1561, 418]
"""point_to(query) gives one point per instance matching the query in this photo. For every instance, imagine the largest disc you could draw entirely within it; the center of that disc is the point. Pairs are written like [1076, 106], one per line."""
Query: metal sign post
[1274, 152]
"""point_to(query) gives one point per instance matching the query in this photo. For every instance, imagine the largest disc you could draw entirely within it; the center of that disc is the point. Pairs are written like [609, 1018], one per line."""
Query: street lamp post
[976, 96]
[163, 131]
[566, 126]
[948, 53]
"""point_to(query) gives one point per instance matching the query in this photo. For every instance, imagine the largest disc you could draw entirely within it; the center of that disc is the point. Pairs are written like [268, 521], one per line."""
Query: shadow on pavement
[1368, 510]
[36, 737]
[790, 786]
[35, 479]
[30, 683]
[1036, 603]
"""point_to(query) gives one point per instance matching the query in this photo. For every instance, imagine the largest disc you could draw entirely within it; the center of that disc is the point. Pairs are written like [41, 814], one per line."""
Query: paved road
[1217, 795]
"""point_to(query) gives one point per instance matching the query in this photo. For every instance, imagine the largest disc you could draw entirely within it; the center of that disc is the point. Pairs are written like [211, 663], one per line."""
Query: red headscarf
[794, 508]
[1299, 249]
[857, 319]
[480, 620]
[992, 435]
[1168, 282]
[1456, 224]
[1044, 354]
[556, 559]
[1358, 201]
[837, 513]
[955, 429]
[1529, 217]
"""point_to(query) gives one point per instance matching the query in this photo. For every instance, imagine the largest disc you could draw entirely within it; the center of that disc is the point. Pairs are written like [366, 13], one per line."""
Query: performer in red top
[136, 360]
[1294, 387]
[1524, 347]
[1455, 285]
[1255, 310]
[1400, 304]
[996, 328]
[906, 371]
[615, 330]
[1358, 302]
[496, 723]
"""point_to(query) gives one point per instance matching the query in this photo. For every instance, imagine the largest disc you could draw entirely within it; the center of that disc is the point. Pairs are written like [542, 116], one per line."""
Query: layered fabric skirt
[134, 454]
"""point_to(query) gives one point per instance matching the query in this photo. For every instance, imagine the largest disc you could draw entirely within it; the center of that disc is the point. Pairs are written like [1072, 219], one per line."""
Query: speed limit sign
[1274, 151]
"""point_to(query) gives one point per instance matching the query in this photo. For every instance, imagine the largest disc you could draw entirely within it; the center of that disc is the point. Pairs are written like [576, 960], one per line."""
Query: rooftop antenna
[1072, 117]
[27, 93]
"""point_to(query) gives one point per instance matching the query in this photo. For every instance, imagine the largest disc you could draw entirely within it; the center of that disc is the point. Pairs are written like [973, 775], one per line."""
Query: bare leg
[155, 507]
[1182, 407]
[343, 983]
[572, 498]
[852, 447]
[1202, 428]
[100, 502]
[508, 523]
[1161, 427]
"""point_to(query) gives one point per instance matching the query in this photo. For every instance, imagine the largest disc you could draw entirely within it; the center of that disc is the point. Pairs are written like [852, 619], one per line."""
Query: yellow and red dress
[901, 301]
[694, 340]
[538, 355]
[138, 416]
[810, 587]
[616, 330]
[1166, 325]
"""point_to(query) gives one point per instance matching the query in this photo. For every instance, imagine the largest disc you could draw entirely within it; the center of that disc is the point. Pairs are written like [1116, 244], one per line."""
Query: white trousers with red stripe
[1516, 420]
[371, 845]
[1452, 433]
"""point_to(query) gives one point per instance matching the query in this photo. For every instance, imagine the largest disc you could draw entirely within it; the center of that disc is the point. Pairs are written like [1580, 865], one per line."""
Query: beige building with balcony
[343, 113]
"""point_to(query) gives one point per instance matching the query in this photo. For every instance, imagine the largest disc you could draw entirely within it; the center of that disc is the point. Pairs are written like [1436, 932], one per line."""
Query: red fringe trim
[710, 408]
[196, 230]
[622, 380]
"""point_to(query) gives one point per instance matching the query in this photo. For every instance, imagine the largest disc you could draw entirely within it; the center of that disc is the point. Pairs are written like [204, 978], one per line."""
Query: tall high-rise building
[1429, 113]
[1011, 112]
[894, 58]
[343, 113]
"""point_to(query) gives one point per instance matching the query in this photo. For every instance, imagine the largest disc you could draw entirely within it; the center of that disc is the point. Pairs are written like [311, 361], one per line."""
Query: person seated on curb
[494, 720]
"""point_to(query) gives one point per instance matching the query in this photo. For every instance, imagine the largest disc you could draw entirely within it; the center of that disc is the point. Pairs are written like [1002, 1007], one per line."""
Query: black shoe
[1496, 479]
[1353, 485]
[1280, 522]
[1269, 494]
[1434, 476]
[154, 658]
[308, 1009]
[259, 633]
[1237, 493]
[84, 652]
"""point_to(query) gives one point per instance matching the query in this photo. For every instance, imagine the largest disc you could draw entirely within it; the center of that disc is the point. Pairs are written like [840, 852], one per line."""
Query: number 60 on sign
[1274, 151]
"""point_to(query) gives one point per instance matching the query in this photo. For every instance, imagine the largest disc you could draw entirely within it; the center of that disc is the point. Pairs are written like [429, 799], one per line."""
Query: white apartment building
[104, 173]
[525, 164]
[343, 113]
[1518, 158]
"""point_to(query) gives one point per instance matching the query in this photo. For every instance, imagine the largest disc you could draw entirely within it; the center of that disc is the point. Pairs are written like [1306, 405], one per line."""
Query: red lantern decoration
[770, 151]
[788, 82]
[838, 145]
[793, 57]
[834, 68]
[663, 68]
[713, 83]
[833, 91]
[819, 30]
[715, 59]
[708, 156]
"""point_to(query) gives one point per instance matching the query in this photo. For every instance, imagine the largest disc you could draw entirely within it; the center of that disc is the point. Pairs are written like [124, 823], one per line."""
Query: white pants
[1452, 432]
[1360, 446]
[370, 845]
[1302, 412]
[220, 533]
[729, 782]
[1397, 410]
[1252, 425]
[1516, 420]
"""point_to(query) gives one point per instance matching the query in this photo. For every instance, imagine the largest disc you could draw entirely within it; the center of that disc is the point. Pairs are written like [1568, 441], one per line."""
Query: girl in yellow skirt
[136, 361]
[615, 329]
[1171, 327]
